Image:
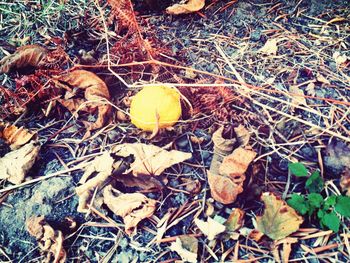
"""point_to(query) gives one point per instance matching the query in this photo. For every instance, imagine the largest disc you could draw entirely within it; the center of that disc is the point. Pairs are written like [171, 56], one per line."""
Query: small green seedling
[327, 210]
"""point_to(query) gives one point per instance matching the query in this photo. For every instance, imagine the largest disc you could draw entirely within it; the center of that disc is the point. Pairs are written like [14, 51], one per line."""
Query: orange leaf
[190, 7]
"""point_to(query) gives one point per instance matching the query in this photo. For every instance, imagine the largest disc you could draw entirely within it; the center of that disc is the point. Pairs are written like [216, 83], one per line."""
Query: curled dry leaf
[186, 247]
[211, 228]
[279, 220]
[102, 167]
[29, 55]
[270, 47]
[15, 164]
[227, 183]
[50, 241]
[95, 92]
[15, 136]
[345, 181]
[150, 160]
[189, 7]
[131, 207]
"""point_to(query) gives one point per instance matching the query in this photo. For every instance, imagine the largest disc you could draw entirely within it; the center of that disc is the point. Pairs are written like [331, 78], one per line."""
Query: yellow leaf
[186, 247]
[279, 220]
[270, 47]
[211, 228]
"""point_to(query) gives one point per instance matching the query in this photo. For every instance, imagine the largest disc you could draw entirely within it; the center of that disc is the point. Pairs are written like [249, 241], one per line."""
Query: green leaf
[343, 205]
[331, 221]
[298, 169]
[320, 214]
[314, 184]
[330, 201]
[315, 200]
[299, 203]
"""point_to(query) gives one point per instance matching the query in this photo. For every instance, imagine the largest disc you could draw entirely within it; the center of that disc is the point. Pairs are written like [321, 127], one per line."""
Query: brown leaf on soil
[189, 7]
[15, 136]
[102, 168]
[131, 207]
[279, 220]
[29, 55]
[345, 181]
[186, 247]
[50, 241]
[96, 95]
[15, 164]
[150, 160]
[227, 183]
[235, 220]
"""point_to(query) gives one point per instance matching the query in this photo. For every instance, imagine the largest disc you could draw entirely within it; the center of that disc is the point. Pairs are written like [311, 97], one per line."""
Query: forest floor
[287, 64]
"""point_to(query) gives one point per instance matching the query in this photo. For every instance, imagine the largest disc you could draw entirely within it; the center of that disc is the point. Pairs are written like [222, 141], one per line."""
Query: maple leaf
[131, 207]
[150, 160]
[187, 8]
[279, 220]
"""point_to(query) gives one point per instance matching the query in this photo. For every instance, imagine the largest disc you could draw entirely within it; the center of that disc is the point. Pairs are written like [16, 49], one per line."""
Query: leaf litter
[163, 193]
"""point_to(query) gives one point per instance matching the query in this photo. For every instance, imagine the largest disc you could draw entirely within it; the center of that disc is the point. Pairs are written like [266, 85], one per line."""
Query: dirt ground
[223, 36]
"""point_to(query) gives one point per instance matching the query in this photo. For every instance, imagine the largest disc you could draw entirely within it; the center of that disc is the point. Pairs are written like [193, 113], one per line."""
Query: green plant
[327, 210]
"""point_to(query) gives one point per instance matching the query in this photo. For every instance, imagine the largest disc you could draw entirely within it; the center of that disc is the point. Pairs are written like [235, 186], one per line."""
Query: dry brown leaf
[50, 241]
[242, 135]
[15, 136]
[298, 97]
[345, 181]
[211, 228]
[144, 182]
[30, 55]
[131, 207]
[186, 247]
[95, 92]
[279, 220]
[235, 220]
[186, 8]
[270, 47]
[102, 166]
[15, 164]
[227, 184]
[322, 79]
[150, 160]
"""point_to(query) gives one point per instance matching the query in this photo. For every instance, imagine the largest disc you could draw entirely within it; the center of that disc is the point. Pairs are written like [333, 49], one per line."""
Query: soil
[248, 25]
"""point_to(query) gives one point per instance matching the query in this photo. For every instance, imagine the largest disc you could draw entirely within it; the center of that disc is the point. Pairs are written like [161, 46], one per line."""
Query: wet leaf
[278, 220]
[189, 7]
[211, 228]
[30, 55]
[149, 160]
[186, 247]
[131, 207]
[50, 241]
[96, 95]
[15, 164]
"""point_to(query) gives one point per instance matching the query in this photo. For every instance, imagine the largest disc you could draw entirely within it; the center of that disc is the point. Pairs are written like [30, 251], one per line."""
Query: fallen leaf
[131, 207]
[15, 164]
[270, 47]
[50, 241]
[298, 97]
[227, 184]
[29, 55]
[322, 79]
[211, 228]
[242, 135]
[186, 8]
[96, 95]
[186, 247]
[345, 181]
[235, 220]
[310, 89]
[338, 58]
[149, 160]
[15, 136]
[278, 220]
[102, 168]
